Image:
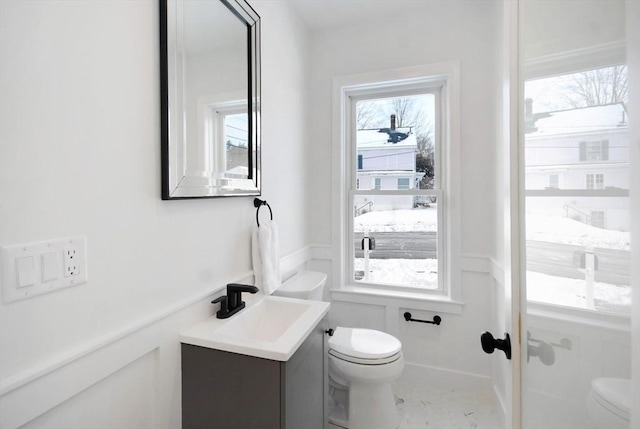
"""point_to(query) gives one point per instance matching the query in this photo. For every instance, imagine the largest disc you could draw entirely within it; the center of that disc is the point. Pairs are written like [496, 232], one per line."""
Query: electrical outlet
[71, 261]
[31, 269]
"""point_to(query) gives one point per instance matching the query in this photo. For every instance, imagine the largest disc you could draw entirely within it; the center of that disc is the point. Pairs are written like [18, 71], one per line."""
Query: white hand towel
[255, 257]
[266, 259]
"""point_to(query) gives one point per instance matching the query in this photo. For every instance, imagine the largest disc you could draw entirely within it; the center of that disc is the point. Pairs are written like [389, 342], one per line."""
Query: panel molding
[64, 375]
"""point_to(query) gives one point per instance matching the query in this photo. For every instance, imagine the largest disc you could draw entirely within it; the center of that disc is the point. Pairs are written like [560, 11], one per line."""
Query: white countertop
[269, 327]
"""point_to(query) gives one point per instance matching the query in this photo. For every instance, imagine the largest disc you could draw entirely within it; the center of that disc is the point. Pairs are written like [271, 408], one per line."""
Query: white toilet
[608, 403]
[362, 365]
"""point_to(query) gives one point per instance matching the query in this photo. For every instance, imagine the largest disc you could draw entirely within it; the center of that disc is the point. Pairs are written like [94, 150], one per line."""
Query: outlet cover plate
[49, 269]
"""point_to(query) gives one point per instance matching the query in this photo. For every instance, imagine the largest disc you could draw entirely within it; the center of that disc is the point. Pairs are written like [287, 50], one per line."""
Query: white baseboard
[445, 378]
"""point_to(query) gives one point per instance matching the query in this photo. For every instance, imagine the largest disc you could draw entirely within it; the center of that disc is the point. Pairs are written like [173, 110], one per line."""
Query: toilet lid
[614, 394]
[364, 343]
[304, 282]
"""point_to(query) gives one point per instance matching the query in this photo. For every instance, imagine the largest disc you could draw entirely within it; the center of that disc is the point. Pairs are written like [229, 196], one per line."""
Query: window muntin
[395, 191]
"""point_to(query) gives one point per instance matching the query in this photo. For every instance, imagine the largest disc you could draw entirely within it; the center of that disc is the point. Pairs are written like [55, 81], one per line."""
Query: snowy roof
[580, 120]
[369, 139]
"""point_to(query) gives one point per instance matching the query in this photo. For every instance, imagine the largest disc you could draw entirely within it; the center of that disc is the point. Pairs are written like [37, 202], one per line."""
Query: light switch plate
[33, 269]
[25, 271]
[50, 266]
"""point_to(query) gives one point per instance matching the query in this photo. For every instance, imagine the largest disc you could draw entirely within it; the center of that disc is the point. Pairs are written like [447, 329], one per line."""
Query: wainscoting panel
[130, 391]
[128, 378]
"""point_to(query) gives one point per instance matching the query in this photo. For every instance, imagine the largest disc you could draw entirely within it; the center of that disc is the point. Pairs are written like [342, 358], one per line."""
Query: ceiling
[321, 15]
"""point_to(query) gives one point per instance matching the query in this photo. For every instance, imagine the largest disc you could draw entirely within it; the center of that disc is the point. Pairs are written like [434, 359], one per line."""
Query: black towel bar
[257, 203]
[436, 319]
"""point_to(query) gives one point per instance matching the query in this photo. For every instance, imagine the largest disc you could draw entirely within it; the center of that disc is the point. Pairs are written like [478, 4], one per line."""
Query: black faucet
[232, 302]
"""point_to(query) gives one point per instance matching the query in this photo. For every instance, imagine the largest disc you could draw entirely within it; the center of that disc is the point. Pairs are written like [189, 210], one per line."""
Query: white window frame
[594, 181]
[443, 78]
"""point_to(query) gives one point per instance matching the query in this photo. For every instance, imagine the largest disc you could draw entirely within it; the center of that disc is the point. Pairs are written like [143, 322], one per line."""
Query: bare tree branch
[598, 87]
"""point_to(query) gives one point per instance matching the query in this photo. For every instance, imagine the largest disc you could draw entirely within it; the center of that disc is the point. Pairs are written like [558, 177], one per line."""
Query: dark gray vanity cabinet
[224, 390]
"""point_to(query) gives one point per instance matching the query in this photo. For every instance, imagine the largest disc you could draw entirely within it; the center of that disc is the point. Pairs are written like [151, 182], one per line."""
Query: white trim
[57, 379]
[288, 263]
[18, 380]
[410, 78]
[633, 57]
[294, 260]
[476, 263]
[557, 63]
[321, 252]
[400, 299]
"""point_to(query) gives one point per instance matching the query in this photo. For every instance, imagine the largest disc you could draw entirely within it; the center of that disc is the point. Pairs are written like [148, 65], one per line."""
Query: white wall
[80, 155]
[420, 33]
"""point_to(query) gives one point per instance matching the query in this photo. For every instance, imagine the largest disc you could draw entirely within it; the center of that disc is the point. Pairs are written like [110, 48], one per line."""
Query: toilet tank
[304, 285]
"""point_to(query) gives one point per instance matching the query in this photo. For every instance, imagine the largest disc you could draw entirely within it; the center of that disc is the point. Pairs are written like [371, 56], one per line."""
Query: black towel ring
[257, 203]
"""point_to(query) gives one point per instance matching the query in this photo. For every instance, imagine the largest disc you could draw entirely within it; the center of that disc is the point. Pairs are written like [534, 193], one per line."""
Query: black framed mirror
[210, 98]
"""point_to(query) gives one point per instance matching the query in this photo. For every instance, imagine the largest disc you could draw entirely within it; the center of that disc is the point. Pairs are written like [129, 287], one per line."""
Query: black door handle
[489, 344]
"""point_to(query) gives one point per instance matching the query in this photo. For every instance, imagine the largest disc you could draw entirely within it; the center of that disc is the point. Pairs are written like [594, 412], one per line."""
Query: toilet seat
[362, 361]
[364, 346]
[614, 394]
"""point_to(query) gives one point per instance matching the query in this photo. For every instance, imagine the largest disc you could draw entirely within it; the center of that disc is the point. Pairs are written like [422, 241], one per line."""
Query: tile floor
[443, 408]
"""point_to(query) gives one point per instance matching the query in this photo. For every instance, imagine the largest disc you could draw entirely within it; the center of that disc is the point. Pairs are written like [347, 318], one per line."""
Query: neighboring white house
[386, 160]
[577, 165]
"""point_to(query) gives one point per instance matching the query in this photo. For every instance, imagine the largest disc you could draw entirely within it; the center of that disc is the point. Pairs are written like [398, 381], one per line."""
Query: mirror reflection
[210, 133]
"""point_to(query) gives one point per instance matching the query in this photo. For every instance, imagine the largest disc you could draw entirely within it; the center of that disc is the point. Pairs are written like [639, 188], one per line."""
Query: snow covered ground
[420, 273]
[540, 287]
[550, 229]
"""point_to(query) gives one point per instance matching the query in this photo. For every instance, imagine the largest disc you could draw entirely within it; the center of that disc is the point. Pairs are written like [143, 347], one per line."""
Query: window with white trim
[595, 181]
[396, 235]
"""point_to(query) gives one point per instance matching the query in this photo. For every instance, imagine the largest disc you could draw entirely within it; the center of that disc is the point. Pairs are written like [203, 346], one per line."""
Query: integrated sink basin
[269, 327]
[265, 321]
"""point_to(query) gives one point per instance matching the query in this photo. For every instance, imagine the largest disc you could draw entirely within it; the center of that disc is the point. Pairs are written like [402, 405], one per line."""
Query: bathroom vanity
[265, 367]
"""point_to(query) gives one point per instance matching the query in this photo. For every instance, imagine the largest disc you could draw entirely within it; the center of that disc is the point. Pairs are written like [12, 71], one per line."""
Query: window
[403, 183]
[393, 148]
[397, 141]
[226, 126]
[597, 219]
[595, 181]
[416, 255]
[594, 150]
[578, 136]
[235, 129]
